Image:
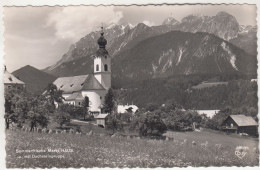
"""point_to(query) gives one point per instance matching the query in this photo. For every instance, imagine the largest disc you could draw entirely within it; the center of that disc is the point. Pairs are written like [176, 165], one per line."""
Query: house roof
[75, 96]
[101, 116]
[78, 83]
[11, 79]
[242, 120]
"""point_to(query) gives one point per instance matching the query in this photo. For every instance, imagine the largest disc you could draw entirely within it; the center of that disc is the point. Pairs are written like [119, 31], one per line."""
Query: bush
[152, 107]
[62, 116]
[151, 124]
[89, 117]
[113, 123]
[182, 120]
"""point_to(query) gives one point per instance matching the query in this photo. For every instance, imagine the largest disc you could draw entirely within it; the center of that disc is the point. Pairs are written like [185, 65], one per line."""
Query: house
[94, 86]
[127, 108]
[240, 124]
[11, 81]
[102, 120]
[208, 113]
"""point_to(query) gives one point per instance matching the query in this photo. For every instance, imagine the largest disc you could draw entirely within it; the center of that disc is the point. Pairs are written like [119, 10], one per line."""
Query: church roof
[78, 83]
[11, 79]
[75, 96]
[91, 83]
[101, 52]
[102, 42]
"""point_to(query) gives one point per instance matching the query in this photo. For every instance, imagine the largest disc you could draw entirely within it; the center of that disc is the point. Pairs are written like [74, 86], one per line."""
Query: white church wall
[102, 75]
[96, 98]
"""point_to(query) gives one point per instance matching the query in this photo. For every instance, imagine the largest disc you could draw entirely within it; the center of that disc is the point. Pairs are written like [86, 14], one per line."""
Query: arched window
[97, 67]
[106, 67]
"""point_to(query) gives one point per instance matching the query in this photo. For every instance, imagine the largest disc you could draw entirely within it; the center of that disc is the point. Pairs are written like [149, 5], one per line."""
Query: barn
[101, 120]
[240, 124]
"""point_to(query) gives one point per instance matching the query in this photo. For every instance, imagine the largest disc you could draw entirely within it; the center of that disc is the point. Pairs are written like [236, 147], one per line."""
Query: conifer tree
[85, 105]
[109, 103]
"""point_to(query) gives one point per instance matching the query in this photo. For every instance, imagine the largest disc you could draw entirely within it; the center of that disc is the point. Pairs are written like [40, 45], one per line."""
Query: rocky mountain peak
[170, 21]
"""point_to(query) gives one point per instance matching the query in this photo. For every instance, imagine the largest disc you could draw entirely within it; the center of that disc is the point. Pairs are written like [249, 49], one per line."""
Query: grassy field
[30, 149]
[208, 84]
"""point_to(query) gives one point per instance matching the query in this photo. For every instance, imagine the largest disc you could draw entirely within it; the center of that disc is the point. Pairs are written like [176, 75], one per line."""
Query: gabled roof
[78, 83]
[101, 116]
[70, 84]
[11, 79]
[242, 120]
[75, 96]
[91, 83]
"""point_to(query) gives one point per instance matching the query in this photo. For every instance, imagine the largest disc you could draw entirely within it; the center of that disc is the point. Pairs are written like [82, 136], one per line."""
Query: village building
[240, 124]
[208, 113]
[94, 86]
[127, 108]
[102, 120]
[11, 81]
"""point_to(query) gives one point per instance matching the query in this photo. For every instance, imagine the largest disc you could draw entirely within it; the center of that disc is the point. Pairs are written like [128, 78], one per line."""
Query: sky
[39, 36]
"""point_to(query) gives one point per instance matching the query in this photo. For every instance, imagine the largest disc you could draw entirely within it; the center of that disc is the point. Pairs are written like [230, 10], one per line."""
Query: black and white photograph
[130, 86]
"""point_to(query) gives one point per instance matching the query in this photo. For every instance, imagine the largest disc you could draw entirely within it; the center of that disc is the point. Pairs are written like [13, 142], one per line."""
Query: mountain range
[196, 44]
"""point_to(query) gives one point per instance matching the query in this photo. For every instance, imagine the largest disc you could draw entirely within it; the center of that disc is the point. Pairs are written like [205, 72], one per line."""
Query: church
[95, 86]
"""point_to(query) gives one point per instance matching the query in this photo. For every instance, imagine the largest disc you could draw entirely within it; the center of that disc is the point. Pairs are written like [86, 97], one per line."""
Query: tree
[61, 115]
[54, 94]
[85, 105]
[151, 124]
[21, 106]
[113, 122]
[152, 107]
[109, 104]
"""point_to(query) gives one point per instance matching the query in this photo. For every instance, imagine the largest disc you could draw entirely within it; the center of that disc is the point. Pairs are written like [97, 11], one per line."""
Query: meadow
[208, 84]
[32, 149]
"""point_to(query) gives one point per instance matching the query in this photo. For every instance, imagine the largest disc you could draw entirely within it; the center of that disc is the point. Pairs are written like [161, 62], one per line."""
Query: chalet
[240, 124]
[10, 80]
[101, 120]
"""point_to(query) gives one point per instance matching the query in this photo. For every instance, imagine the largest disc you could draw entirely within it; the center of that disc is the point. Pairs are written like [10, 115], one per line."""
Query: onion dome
[102, 42]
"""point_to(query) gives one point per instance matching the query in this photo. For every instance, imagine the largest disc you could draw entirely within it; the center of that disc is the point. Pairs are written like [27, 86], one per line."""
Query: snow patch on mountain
[154, 67]
[181, 50]
[232, 56]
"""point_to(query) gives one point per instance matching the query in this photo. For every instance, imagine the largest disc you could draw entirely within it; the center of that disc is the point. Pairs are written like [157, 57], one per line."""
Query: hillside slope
[36, 80]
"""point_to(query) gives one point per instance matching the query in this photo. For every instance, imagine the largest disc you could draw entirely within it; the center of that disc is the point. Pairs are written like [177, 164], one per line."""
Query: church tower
[102, 63]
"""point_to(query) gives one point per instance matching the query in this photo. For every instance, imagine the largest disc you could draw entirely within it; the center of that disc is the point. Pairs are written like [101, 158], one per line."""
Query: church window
[97, 67]
[106, 67]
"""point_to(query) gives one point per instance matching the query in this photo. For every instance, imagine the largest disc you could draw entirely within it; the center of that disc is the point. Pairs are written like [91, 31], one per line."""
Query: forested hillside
[238, 92]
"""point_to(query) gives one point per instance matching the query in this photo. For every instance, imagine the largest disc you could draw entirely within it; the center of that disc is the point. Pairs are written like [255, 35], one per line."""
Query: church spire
[102, 42]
